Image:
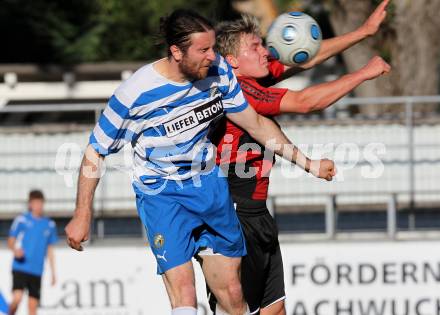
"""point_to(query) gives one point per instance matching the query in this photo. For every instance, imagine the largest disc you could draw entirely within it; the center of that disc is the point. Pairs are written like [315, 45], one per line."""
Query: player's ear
[232, 61]
[176, 53]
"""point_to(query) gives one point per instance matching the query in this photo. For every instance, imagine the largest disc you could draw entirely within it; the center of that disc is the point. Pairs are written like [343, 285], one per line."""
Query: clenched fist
[324, 169]
[375, 67]
[77, 231]
[18, 253]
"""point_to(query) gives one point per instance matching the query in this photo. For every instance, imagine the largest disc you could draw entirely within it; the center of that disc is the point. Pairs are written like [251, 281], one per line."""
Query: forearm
[336, 45]
[267, 133]
[11, 243]
[51, 258]
[333, 46]
[321, 96]
[88, 179]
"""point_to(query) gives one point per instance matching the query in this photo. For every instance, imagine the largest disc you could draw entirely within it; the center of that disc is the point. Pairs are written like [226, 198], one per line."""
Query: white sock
[220, 311]
[184, 310]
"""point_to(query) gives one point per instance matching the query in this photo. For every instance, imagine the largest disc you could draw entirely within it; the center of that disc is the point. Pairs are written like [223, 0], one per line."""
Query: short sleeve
[265, 100]
[233, 98]
[114, 128]
[276, 69]
[17, 226]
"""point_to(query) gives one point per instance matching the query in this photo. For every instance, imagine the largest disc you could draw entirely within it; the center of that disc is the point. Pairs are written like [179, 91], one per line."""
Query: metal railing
[331, 203]
[331, 211]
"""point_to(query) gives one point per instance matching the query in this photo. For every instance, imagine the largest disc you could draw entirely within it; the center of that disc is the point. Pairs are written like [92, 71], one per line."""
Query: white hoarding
[363, 278]
[100, 281]
[329, 278]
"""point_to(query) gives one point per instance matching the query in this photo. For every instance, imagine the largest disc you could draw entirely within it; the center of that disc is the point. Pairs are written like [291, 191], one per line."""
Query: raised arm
[323, 95]
[267, 133]
[335, 45]
[77, 230]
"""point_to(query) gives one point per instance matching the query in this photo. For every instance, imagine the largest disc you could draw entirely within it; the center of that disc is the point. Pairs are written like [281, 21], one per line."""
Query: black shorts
[262, 275]
[22, 281]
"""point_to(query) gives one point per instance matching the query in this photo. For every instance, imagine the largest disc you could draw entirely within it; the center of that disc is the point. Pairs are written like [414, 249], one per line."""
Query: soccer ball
[294, 38]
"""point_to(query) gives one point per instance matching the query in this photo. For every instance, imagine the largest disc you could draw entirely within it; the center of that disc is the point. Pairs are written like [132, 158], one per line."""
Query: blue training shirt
[4, 307]
[166, 122]
[33, 235]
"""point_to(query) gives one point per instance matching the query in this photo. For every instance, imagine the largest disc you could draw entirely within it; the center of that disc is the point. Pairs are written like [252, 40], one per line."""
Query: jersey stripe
[167, 122]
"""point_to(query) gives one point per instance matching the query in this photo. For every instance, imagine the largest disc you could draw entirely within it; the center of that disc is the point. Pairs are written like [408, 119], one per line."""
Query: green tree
[407, 41]
[70, 32]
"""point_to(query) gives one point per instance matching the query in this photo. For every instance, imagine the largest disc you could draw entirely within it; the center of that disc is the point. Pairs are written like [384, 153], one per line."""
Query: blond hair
[228, 33]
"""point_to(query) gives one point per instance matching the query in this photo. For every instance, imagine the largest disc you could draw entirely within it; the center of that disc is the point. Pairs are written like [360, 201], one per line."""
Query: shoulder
[221, 62]
[18, 221]
[143, 80]
[22, 218]
[220, 67]
[250, 85]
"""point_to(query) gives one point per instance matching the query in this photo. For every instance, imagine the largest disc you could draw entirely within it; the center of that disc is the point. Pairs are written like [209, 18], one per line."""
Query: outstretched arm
[267, 133]
[77, 230]
[323, 95]
[335, 45]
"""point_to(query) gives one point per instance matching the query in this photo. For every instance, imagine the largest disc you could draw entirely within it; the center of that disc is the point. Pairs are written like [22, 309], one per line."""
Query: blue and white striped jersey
[167, 122]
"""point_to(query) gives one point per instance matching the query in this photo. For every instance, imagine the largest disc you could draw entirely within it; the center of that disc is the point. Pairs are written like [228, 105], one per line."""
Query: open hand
[372, 24]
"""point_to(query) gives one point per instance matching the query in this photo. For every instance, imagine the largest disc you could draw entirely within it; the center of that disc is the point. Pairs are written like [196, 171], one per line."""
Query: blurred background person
[31, 239]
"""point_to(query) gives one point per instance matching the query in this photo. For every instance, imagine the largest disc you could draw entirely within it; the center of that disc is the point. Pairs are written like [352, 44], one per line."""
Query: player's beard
[193, 70]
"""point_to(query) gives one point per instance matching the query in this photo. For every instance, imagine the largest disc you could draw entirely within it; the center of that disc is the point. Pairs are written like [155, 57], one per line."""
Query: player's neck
[237, 72]
[169, 68]
[36, 215]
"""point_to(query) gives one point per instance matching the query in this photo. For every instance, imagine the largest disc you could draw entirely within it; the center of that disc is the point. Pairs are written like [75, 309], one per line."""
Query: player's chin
[261, 72]
[203, 72]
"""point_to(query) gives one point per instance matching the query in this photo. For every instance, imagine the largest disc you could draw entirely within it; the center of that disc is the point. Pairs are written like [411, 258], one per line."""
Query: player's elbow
[257, 128]
[297, 102]
[307, 103]
[254, 129]
[305, 108]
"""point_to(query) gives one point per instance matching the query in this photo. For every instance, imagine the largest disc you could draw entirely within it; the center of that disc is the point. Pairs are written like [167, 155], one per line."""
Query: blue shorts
[181, 220]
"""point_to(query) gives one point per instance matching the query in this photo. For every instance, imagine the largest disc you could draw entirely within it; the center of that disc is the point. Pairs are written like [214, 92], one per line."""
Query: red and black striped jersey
[238, 154]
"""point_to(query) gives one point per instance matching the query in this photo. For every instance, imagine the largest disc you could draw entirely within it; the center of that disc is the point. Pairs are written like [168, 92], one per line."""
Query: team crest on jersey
[199, 115]
[158, 241]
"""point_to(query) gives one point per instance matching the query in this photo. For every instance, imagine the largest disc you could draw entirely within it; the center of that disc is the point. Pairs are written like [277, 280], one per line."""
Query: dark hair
[36, 194]
[179, 25]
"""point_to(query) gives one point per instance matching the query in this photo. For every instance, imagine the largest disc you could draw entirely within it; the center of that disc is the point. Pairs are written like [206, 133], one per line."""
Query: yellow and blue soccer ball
[294, 38]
